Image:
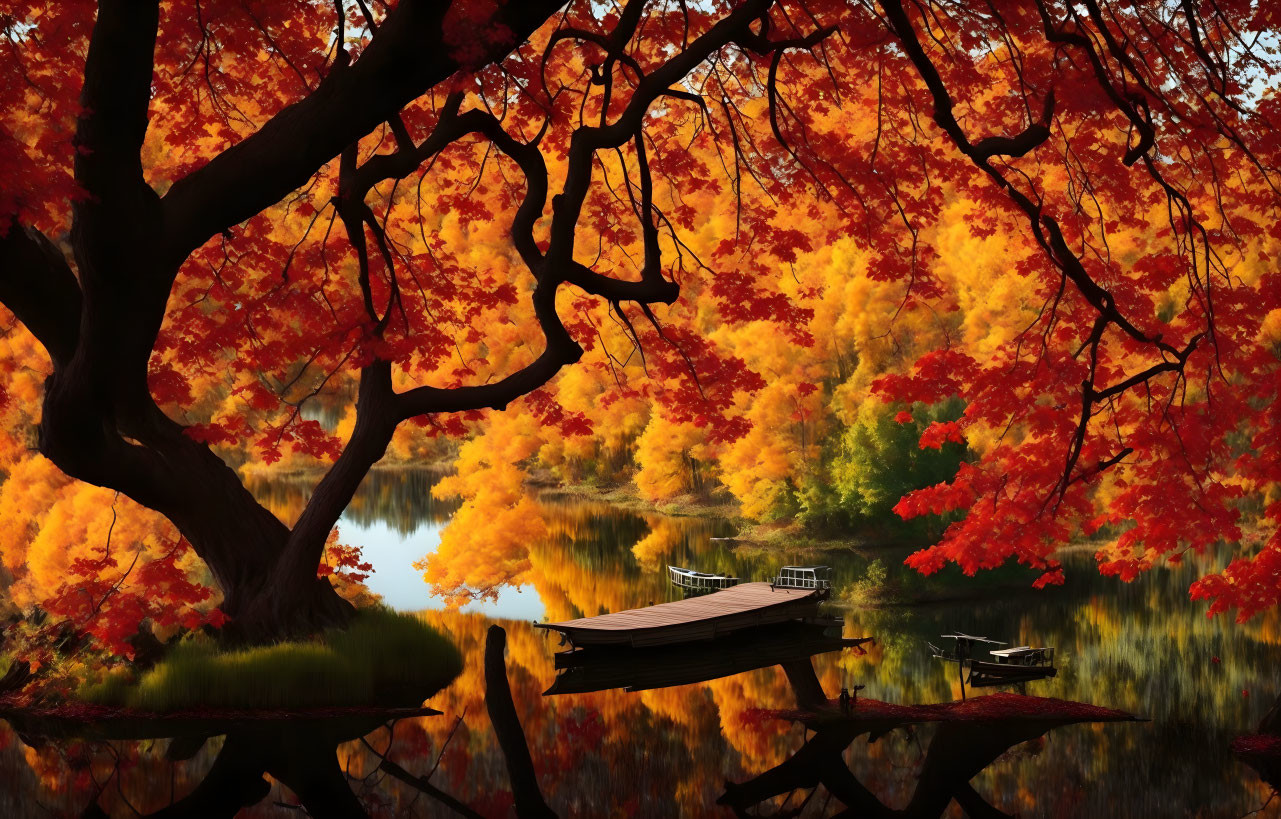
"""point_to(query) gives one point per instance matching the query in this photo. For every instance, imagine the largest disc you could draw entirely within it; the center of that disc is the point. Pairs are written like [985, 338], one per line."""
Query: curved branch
[561, 350]
[407, 56]
[37, 285]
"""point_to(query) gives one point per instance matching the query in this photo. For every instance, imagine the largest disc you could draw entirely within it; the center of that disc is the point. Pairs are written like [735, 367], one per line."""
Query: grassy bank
[381, 659]
[253, 470]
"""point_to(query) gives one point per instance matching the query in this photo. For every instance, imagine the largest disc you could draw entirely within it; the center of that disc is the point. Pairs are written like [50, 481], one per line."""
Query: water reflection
[1142, 647]
[602, 668]
[396, 521]
[400, 499]
[968, 738]
[400, 764]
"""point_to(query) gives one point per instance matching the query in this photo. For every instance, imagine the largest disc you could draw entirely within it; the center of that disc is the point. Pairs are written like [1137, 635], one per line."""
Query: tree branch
[37, 285]
[407, 56]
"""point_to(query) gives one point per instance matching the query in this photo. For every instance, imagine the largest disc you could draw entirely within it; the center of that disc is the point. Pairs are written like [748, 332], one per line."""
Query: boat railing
[699, 581]
[804, 577]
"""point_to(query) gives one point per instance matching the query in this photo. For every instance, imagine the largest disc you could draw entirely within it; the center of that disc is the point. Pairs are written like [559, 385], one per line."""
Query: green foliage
[864, 469]
[382, 658]
[880, 460]
[816, 502]
[874, 588]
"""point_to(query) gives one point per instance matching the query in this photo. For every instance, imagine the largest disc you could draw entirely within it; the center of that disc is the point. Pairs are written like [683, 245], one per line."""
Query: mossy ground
[381, 659]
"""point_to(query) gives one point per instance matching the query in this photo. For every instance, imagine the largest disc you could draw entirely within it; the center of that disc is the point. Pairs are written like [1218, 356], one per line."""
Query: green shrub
[381, 659]
[881, 460]
[874, 588]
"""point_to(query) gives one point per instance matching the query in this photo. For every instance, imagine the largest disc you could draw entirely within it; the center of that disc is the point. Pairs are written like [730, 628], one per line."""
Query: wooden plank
[695, 618]
[1010, 652]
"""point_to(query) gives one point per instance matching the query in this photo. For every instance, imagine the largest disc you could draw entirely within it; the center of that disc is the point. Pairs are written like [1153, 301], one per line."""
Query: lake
[1141, 647]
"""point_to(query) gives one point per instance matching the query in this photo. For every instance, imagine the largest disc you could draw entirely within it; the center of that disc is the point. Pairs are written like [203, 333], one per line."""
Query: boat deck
[697, 618]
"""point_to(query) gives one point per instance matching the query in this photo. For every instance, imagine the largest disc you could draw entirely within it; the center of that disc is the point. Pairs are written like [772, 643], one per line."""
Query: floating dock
[697, 618]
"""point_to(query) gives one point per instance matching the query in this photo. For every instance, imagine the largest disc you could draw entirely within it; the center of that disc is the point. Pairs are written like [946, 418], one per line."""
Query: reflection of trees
[957, 753]
[1141, 646]
[580, 752]
[400, 498]
[300, 753]
[601, 668]
[1262, 752]
[970, 737]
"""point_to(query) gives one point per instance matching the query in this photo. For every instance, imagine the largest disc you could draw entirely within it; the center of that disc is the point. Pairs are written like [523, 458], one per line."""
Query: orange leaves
[826, 238]
[98, 563]
[487, 542]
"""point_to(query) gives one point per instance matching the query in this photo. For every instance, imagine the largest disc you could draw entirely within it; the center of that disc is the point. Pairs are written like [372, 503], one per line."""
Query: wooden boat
[696, 618]
[699, 581]
[1010, 666]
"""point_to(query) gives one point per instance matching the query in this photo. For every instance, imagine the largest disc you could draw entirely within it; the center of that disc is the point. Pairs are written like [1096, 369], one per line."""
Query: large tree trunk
[242, 543]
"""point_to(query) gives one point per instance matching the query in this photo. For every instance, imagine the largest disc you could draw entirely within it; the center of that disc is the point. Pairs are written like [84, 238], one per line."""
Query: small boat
[803, 577]
[1024, 656]
[1009, 666]
[962, 648]
[699, 581]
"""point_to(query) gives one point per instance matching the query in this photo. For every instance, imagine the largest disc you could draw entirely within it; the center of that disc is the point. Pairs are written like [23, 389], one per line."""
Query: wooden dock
[698, 618]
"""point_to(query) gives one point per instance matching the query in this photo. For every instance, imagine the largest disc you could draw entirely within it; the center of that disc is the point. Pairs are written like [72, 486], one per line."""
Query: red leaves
[1249, 585]
[472, 30]
[344, 561]
[935, 376]
[939, 433]
[227, 432]
[1054, 577]
[167, 385]
[109, 603]
[552, 414]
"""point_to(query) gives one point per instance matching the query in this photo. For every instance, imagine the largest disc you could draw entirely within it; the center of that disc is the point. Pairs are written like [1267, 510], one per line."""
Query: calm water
[1141, 647]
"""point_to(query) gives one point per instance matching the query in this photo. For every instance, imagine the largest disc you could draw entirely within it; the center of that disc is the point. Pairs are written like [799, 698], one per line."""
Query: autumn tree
[1118, 361]
[147, 259]
[215, 212]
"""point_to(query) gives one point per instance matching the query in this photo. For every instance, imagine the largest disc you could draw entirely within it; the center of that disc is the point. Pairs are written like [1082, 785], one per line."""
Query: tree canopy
[217, 214]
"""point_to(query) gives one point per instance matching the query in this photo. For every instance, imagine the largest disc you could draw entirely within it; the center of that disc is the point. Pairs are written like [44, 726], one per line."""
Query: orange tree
[214, 212]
